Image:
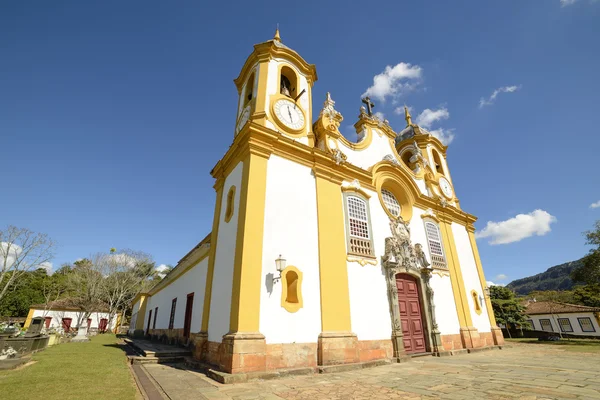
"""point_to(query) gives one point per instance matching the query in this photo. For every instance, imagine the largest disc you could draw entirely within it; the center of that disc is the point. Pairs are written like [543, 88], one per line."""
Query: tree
[126, 273]
[85, 287]
[589, 272]
[22, 250]
[507, 308]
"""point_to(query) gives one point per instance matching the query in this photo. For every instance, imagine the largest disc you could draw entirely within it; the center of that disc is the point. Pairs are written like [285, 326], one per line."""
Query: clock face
[243, 119]
[289, 114]
[446, 188]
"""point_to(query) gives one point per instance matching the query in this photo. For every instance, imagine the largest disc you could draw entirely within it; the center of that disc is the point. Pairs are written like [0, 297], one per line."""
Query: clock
[446, 188]
[289, 114]
[243, 119]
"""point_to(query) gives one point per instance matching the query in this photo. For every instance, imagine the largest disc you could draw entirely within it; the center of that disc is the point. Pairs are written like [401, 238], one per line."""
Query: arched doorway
[411, 314]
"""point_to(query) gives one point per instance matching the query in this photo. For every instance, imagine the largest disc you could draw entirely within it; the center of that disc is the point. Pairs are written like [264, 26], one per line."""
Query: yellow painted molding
[291, 306]
[362, 260]
[482, 281]
[247, 266]
[440, 272]
[29, 318]
[210, 271]
[430, 216]
[456, 278]
[354, 189]
[230, 204]
[141, 314]
[333, 269]
[385, 176]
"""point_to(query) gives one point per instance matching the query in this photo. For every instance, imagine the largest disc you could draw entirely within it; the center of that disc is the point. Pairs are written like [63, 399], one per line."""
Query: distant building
[63, 314]
[557, 317]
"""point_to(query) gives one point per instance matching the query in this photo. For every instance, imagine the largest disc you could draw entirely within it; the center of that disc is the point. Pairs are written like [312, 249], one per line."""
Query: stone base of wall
[497, 336]
[452, 342]
[486, 339]
[337, 348]
[470, 338]
[291, 355]
[370, 350]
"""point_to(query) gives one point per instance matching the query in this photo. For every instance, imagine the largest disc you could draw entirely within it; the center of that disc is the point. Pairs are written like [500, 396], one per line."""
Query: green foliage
[554, 278]
[27, 290]
[507, 308]
[589, 271]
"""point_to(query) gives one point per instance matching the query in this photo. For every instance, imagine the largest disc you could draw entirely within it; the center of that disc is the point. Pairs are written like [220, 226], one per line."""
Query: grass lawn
[578, 345]
[91, 370]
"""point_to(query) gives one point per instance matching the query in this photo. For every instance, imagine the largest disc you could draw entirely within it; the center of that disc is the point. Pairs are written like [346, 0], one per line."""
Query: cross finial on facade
[369, 105]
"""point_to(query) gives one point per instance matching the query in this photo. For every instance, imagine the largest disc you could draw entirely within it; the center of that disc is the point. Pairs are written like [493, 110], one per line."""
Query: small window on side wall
[230, 204]
[434, 241]
[291, 290]
[358, 226]
[586, 324]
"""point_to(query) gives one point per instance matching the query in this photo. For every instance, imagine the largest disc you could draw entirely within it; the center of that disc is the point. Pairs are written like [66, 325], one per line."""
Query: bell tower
[275, 91]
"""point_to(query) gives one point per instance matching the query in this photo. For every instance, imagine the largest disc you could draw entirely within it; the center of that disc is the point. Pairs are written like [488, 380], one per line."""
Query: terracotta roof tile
[549, 307]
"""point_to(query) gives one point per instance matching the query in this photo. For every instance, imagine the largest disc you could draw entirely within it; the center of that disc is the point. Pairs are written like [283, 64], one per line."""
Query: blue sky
[113, 113]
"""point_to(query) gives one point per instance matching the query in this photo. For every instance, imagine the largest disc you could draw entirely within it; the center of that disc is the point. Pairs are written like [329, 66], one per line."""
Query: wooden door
[102, 325]
[149, 321]
[89, 323]
[410, 313]
[188, 315]
[66, 323]
[48, 320]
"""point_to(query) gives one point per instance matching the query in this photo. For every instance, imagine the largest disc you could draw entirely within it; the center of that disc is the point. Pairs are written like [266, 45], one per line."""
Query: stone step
[155, 360]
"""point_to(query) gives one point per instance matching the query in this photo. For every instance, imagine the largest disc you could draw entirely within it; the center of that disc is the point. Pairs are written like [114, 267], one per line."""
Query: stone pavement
[525, 371]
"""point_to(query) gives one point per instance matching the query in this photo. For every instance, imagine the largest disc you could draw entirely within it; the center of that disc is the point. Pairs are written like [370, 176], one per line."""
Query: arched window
[291, 291]
[288, 82]
[390, 202]
[358, 230]
[437, 162]
[434, 241]
[249, 92]
[230, 204]
[476, 301]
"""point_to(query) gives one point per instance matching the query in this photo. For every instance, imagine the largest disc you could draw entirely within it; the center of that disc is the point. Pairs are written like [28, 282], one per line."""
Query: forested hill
[554, 278]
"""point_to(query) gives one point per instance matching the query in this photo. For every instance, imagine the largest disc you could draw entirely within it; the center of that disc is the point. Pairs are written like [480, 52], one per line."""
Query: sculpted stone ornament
[417, 159]
[338, 156]
[399, 252]
[329, 111]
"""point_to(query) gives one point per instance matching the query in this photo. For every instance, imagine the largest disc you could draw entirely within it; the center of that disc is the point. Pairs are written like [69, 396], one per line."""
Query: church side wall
[291, 230]
[192, 281]
[471, 277]
[223, 274]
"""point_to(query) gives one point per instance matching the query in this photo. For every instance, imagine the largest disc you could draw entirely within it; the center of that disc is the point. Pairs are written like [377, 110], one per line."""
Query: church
[323, 251]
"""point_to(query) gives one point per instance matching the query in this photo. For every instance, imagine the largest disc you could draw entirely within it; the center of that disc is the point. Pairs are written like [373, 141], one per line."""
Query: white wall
[192, 281]
[471, 277]
[220, 306]
[380, 147]
[291, 230]
[574, 323]
[57, 317]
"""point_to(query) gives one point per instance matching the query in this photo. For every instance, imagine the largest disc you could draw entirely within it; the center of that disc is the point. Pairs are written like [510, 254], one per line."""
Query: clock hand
[290, 114]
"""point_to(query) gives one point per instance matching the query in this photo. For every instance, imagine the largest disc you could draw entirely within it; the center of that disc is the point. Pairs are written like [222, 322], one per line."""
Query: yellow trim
[488, 302]
[431, 217]
[247, 267]
[230, 204]
[385, 177]
[137, 297]
[333, 269]
[456, 278]
[141, 314]
[29, 318]
[211, 255]
[358, 190]
[476, 303]
[362, 260]
[291, 307]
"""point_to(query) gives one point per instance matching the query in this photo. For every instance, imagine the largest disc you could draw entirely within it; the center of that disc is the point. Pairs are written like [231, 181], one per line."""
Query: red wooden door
[149, 321]
[89, 323]
[102, 325]
[66, 323]
[188, 315]
[48, 320]
[410, 313]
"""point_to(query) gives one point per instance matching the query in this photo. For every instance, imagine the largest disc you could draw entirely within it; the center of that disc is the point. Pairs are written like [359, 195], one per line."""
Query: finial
[277, 37]
[407, 116]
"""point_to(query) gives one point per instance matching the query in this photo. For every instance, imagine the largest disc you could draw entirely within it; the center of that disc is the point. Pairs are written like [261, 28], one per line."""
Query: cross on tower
[369, 105]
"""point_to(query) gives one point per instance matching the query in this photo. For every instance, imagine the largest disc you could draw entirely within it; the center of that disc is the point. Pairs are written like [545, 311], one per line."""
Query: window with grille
[546, 325]
[172, 317]
[436, 249]
[586, 324]
[359, 236]
[390, 202]
[565, 325]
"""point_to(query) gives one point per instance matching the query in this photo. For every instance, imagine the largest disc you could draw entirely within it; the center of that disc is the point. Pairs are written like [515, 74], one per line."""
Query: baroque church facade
[322, 251]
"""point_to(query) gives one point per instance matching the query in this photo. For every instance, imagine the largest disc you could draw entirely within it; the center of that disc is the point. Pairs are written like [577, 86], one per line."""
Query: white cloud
[501, 277]
[564, 3]
[595, 205]
[429, 116]
[161, 269]
[400, 110]
[380, 115]
[47, 266]
[394, 81]
[8, 254]
[446, 136]
[536, 223]
[490, 283]
[506, 89]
